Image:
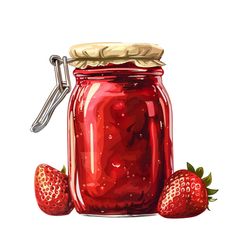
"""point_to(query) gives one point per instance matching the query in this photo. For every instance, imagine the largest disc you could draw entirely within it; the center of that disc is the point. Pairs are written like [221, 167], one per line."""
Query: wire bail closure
[61, 89]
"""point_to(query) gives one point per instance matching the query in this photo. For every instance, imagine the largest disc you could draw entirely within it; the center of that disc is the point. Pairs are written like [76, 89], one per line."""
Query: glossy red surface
[119, 139]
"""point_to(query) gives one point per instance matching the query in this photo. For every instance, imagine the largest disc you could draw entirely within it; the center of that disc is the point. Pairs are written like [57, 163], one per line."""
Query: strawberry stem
[63, 170]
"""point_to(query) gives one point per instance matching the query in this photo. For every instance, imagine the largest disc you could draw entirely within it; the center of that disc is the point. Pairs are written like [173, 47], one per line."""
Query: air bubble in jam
[125, 153]
[116, 165]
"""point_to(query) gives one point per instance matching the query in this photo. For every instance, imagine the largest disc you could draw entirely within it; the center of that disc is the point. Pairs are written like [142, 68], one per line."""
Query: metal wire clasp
[61, 89]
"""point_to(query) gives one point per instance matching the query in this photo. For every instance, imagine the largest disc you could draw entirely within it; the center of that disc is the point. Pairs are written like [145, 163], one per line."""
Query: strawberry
[185, 194]
[52, 190]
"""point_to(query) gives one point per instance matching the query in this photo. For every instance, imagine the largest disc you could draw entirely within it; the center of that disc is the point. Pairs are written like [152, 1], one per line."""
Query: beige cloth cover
[101, 54]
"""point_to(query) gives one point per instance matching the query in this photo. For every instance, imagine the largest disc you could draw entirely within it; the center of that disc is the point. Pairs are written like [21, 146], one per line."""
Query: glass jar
[119, 127]
[119, 139]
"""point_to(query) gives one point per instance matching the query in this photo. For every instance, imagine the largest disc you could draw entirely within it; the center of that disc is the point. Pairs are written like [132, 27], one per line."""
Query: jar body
[119, 140]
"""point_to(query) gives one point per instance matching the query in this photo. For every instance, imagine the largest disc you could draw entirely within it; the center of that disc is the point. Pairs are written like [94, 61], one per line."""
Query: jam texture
[119, 140]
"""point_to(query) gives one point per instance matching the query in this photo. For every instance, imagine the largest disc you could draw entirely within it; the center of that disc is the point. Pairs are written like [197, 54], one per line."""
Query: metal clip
[58, 93]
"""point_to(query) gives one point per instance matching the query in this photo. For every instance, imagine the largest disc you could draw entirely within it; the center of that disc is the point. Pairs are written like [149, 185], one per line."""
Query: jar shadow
[120, 216]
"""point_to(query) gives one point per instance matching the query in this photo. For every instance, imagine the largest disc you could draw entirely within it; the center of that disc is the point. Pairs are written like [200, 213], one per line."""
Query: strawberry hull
[119, 140]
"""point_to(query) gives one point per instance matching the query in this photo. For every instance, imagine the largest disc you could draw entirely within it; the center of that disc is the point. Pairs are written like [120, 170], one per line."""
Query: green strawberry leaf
[211, 191]
[200, 172]
[63, 170]
[207, 180]
[190, 167]
[211, 199]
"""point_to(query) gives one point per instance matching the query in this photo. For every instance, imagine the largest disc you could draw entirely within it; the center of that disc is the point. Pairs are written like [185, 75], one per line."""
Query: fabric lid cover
[101, 54]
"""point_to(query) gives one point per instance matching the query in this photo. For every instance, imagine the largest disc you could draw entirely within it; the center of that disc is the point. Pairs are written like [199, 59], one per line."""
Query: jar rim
[125, 69]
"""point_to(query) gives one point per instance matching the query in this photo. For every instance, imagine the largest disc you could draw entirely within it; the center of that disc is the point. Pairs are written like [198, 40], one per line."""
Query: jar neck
[122, 72]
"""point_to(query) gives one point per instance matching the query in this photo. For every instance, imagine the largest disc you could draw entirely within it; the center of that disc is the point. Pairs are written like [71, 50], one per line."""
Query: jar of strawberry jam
[119, 128]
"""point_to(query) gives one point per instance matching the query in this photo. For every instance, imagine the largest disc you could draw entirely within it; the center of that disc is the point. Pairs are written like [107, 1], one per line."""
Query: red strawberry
[52, 190]
[185, 194]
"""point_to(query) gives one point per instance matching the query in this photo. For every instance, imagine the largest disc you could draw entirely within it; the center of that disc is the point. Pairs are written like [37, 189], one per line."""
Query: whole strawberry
[52, 190]
[185, 194]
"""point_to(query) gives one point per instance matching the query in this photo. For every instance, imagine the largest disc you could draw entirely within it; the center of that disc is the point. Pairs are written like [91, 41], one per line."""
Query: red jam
[119, 139]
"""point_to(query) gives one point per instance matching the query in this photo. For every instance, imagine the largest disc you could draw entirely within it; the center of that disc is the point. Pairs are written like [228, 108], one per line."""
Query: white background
[199, 40]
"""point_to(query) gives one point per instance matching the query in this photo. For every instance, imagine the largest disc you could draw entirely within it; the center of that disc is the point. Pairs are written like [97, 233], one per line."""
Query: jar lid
[101, 54]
